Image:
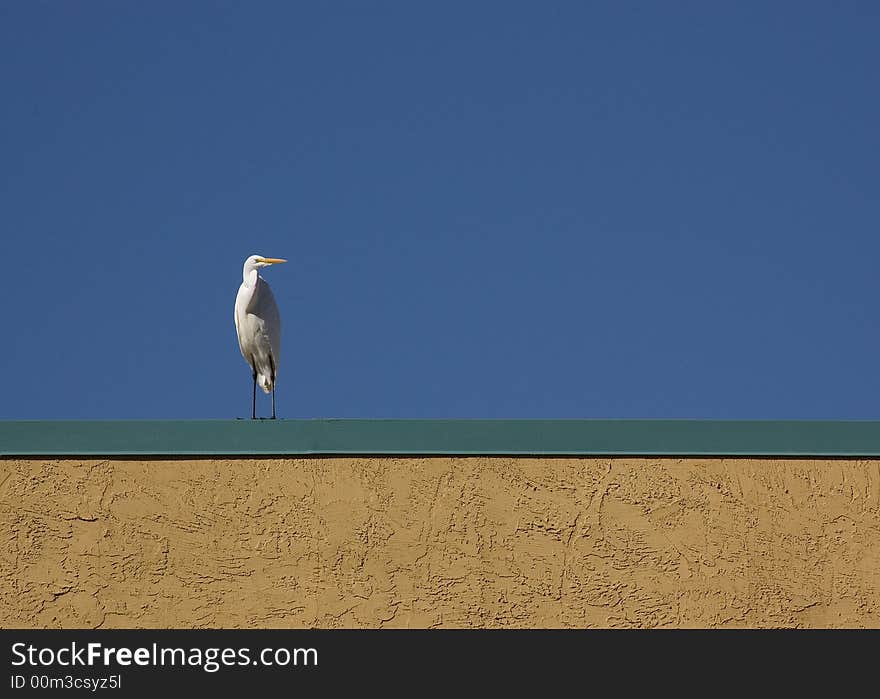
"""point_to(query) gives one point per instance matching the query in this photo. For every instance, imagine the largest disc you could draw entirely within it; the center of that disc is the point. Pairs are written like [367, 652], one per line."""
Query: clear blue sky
[500, 209]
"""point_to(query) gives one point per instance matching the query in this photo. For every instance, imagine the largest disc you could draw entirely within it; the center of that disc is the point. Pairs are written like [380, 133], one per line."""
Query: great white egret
[258, 326]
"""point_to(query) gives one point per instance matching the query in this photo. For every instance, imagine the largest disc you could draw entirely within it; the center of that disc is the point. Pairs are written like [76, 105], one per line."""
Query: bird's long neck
[250, 277]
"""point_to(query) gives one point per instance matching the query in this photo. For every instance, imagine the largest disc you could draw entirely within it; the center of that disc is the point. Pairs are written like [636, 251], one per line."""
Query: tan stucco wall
[454, 542]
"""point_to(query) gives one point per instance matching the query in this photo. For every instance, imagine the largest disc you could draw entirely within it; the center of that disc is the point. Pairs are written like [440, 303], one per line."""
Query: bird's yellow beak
[272, 260]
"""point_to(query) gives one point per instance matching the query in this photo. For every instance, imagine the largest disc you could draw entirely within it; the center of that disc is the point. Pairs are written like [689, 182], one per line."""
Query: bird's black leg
[254, 409]
[272, 364]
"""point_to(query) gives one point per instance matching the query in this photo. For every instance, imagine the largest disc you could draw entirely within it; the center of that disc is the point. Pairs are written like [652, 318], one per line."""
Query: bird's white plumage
[258, 323]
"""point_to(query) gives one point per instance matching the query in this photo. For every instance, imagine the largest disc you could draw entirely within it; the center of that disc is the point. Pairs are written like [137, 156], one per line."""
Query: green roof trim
[452, 437]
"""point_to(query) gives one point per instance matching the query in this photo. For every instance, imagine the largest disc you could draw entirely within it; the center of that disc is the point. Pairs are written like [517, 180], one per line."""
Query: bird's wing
[266, 309]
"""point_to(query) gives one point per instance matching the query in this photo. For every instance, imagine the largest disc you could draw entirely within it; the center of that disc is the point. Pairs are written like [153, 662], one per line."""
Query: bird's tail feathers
[264, 382]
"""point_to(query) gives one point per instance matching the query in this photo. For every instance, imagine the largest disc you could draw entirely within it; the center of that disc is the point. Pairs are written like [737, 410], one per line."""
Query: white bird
[258, 326]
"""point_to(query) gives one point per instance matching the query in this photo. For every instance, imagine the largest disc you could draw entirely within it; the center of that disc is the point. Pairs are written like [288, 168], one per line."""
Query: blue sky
[491, 209]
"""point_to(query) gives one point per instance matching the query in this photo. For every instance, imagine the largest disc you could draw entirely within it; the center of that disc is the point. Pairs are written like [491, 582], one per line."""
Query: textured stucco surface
[453, 542]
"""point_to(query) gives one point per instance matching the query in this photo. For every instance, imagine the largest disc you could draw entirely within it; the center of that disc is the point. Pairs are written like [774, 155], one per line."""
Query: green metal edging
[426, 437]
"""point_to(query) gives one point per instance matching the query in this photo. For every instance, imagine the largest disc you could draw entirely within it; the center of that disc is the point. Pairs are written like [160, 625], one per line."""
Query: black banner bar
[134, 662]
